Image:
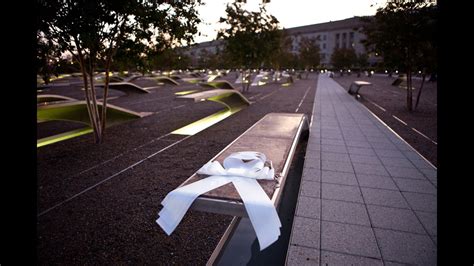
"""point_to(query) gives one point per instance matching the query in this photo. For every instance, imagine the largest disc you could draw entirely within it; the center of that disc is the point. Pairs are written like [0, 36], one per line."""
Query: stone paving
[366, 196]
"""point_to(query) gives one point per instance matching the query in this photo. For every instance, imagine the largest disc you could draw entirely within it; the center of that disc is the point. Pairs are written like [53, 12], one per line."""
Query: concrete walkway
[366, 197]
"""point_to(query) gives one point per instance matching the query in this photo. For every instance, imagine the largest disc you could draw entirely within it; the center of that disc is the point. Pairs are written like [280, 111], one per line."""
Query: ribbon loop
[242, 169]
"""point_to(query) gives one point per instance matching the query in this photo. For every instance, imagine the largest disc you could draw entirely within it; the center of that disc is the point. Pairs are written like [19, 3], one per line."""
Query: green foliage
[93, 31]
[130, 56]
[167, 59]
[208, 60]
[251, 38]
[46, 58]
[362, 61]
[404, 34]
[343, 58]
[97, 27]
[282, 57]
[309, 53]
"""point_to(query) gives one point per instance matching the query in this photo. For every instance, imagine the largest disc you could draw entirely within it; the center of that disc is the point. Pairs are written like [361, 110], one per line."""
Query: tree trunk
[247, 86]
[88, 97]
[107, 80]
[421, 88]
[242, 72]
[409, 91]
[95, 107]
[105, 95]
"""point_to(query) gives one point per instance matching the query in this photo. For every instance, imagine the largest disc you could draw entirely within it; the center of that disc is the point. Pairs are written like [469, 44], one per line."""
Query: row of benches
[56, 107]
[276, 135]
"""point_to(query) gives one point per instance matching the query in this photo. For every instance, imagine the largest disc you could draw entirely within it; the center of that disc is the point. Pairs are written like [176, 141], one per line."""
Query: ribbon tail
[260, 209]
[178, 201]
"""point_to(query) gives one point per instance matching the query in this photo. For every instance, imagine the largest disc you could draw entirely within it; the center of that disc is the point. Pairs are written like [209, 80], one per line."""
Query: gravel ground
[83, 221]
[388, 102]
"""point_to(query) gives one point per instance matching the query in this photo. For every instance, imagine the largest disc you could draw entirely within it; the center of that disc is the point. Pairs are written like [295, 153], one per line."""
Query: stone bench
[44, 99]
[126, 87]
[276, 135]
[231, 99]
[218, 84]
[76, 111]
[356, 85]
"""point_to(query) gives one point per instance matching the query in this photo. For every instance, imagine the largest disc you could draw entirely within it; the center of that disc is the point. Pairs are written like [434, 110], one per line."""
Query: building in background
[330, 35]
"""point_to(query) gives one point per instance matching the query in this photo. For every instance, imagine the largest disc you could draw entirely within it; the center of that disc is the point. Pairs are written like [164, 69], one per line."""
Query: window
[324, 37]
[337, 37]
[351, 35]
[324, 45]
[344, 36]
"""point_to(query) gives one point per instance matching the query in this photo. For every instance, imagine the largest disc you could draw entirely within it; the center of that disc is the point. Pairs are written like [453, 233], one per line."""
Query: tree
[92, 31]
[426, 58]
[208, 59]
[131, 55]
[343, 58]
[251, 37]
[362, 62]
[309, 53]
[46, 56]
[403, 33]
[283, 57]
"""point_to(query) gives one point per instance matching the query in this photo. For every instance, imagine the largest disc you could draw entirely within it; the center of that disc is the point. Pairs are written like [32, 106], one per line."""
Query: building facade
[330, 35]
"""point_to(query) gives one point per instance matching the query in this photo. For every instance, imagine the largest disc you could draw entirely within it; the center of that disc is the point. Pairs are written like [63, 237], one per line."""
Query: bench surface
[362, 83]
[198, 96]
[275, 135]
[218, 84]
[52, 98]
[76, 111]
[356, 85]
[127, 87]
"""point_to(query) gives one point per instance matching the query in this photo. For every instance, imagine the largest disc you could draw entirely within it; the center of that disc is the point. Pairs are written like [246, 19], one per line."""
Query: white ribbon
[242, 169]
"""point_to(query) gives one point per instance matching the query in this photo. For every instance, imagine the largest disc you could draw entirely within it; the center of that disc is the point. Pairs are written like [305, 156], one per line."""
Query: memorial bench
[399, 80]
[159, 79]
[59, 84]
[218, 84]
[260, 79]
[52, 98]
[276, 135]
[126, 87]
[232, 99]
[356, 85]
[76, 111]
[166, 80]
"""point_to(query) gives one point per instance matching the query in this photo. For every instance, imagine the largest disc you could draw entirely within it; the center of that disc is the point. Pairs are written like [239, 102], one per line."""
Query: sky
[290, 13]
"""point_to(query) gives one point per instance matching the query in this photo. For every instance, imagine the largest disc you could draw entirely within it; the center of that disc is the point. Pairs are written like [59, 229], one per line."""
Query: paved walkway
[366, 197]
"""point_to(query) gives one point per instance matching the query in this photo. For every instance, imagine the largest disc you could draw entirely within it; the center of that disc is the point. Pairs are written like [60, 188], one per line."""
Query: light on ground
[184, 92]
[63, 136]
[204, 123]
